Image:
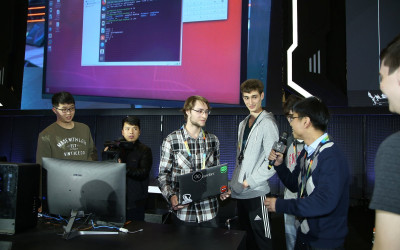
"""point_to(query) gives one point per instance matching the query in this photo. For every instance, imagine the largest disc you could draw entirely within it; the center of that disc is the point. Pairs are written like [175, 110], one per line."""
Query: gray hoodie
[254, 167]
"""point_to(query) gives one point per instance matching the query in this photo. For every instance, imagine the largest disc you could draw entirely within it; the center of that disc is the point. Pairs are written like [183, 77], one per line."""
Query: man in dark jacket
[321, 179]
[138, 159]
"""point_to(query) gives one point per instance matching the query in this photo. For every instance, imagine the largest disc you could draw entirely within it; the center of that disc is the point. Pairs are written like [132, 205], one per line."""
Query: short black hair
[289, 103]
[390, 56]
[62, 98]
[131, 120]
[315, 109]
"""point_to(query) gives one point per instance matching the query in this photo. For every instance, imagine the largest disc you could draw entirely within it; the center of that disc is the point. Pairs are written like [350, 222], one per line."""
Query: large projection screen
[144, 50]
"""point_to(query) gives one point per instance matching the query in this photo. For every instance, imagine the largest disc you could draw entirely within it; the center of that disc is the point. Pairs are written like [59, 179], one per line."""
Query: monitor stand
[69, 233]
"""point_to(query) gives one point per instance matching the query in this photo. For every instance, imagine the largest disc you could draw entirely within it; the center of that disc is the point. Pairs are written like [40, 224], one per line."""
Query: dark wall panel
[6, 132]
[88, 120]
[46, 121]
[347, 133]
[24, 138]
[151, 135]
[171, 123]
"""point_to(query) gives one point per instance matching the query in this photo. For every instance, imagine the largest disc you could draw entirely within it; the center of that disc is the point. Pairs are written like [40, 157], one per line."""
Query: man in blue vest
[321, 178]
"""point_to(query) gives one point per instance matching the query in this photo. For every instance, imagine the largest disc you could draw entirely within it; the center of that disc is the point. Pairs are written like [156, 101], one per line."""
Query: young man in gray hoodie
[249, 184]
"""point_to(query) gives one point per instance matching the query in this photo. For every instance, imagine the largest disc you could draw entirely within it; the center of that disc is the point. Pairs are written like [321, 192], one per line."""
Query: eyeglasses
[66, 110]
[202, 111]
[291, 118]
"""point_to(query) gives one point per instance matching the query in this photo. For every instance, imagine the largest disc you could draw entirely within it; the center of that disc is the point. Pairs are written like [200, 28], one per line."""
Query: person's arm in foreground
[387, 230]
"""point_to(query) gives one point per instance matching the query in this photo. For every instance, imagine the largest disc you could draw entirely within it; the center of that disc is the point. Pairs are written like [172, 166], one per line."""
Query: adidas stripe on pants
[254, 219]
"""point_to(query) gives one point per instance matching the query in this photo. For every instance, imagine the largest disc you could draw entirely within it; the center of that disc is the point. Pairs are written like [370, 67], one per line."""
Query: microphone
[279, 146]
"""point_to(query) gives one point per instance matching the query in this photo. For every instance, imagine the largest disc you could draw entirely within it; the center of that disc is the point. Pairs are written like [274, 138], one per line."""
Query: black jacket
[139, 161]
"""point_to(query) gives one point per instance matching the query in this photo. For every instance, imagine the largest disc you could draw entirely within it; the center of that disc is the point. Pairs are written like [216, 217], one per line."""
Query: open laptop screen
[199, 185]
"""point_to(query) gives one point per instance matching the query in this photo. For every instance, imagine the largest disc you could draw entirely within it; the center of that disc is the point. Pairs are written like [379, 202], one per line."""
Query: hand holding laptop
[174, 203]
[225, 195]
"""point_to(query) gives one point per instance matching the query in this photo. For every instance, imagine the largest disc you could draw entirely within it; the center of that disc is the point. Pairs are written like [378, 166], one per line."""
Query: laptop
[199, 185]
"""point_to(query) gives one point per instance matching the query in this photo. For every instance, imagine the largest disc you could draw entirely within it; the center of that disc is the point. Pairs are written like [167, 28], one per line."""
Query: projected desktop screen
[137, 49]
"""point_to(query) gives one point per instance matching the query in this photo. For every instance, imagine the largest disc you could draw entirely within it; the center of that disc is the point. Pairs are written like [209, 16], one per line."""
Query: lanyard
[203, 159]
[295, 143]
[305, 174]
[241, 152]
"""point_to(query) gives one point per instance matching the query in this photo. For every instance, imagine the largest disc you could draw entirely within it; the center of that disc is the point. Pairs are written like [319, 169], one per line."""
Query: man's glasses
[66, 110]
[291, 118]
[202, 111]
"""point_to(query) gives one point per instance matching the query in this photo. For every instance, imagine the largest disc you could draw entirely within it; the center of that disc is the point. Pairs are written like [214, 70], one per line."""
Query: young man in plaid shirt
[186, 150]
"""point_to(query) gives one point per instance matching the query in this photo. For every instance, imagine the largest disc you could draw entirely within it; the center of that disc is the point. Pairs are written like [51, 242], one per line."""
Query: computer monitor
[96, 188]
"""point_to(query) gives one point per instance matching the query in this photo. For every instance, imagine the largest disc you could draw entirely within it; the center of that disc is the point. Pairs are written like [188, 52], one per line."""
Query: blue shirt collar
[310, 149]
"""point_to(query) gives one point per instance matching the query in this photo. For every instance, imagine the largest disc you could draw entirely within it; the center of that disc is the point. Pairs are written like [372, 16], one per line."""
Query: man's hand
[225, 195]
[245, 184]
[270, 204]
[278, 157]
[174, 203]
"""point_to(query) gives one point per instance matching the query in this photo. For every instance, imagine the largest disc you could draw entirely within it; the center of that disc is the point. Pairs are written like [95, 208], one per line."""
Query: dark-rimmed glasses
[291, 118]
[66, 110]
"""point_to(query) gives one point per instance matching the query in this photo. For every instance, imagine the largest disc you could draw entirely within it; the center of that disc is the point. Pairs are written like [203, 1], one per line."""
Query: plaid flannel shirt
[176, 161]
